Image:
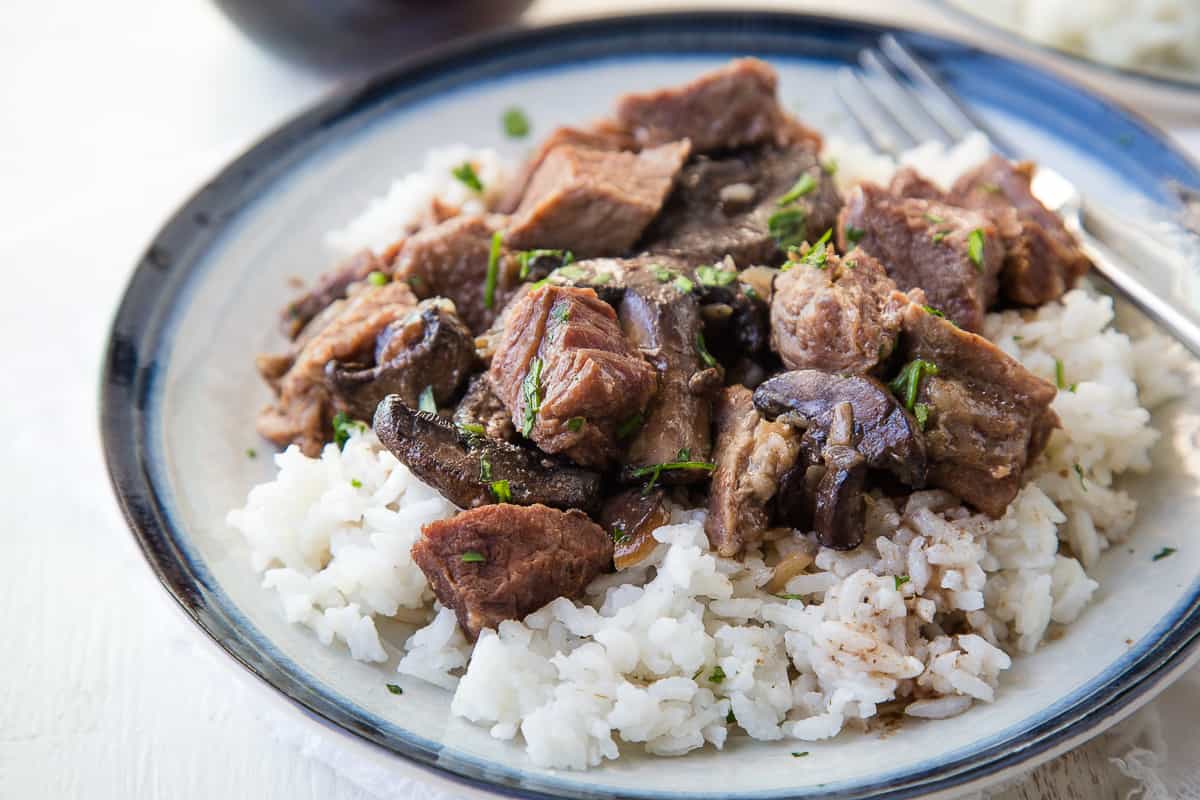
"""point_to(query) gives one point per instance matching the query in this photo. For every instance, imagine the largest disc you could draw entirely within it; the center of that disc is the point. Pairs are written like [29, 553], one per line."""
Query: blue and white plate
[180, 394]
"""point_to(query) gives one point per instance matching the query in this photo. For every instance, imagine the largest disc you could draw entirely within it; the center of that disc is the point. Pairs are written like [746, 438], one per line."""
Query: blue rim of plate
[140, 332]
[1164, 79]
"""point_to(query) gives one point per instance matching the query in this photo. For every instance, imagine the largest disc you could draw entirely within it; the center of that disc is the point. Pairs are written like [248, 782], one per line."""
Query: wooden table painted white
[112, 113]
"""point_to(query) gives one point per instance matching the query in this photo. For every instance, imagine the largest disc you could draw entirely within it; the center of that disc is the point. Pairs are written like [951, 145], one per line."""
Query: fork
[894, 116]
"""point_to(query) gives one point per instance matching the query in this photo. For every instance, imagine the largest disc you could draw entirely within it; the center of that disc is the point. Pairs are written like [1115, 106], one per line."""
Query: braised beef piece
[304, 409]
[430, 348]
[730, 107]
[503, 561]
[835, 314]
[451, 260]
[751, 456]
[952, 253]
[631, 518]
[1043, 260]
[599, 136]
[988, 417]
[481, 407]
[567, 374]
[329, 286]
[472, 470]
[594, 202]
[751, 205]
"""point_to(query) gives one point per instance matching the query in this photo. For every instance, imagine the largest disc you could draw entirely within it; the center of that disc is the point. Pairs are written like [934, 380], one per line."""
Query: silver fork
[894, 115]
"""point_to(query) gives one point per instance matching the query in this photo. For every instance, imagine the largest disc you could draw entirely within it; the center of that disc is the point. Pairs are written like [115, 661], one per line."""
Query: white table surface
[113, 112]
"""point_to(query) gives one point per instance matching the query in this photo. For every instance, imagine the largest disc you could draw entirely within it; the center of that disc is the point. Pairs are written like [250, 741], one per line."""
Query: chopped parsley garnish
[618, 534]
[473, 557]
[465, 173]
[377, 278]
[251, 452]
[817, 255]
[921, 412]
[800, 754]
[531, 394]
[705, 356]
[629, 426]
[790, 596]
[663, 274]
[472, 428]
[934, 218]
[394, 689]
[516, 124]
[356, 483]
[561, 312]
[574, 424]
[493, 270]
[569, 273]
[485, 469]
[937, 312]
[787, 227]
[975, 248]
[1060, 376]
[1164, 553]
[749, 291]
[342, 426]
[717, 675]
[426, 402]
[501, 491]
[830, 166]
[730, 718]
[711, 276]
[901, 580]
[908, 382]
[802, 187]
[1079, 472]
[601, 278]
[854, 234]
[526, 259]
[990, 188]
[684, 284]
[938, 236]
[683, 455]
[656, 470]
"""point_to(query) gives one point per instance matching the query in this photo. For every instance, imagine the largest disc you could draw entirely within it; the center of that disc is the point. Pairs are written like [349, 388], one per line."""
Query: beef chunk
[729, 205]
[730, 107]
[988, 417]
[839, 316]
[567, 375]
[430, 348]
[472, 470]
[504, 561]
[601, 136]
[451, 260]
[631, 517]
[303, 411]
[951, 253]
[907, 182]
[751, 456]
[329, 286]
[594, 202]
[1042, 260]
[480, 406]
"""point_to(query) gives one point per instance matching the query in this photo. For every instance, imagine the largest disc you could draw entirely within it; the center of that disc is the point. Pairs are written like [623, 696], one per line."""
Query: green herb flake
[1060, 376]
[465, 173]
[493, 271]
[561, 312]
[527, 258]
[575, 424]
[1079, 472]
[749, 291]
[662, 274]
[854, 234]
[684, 284]
[473, 557]
[990, 188]
[790, 596]
[251, 452]
[601, 278]
[934, 218]
[377, 278]
[817, 254]
[938, 236]
[921, 412]
[830, 166]
[654, 471]
[712, 276]
[426, 402]
[343, 426]
[908, 382]
[569, 273]
[702, 350]
[619, 535]
[629, 426]
[356, 483]
[786, 227]
[684, 454]
[531, 395]
[800, 754]
[1164, 553]
[975, 248]
[802, 187]
[394, 689]
[717, 675]
[485, 469]
[730, 719]
[516, 124]
[472, 429]
[501, 491]
[901, 580]
[937, 312]
[414, 281]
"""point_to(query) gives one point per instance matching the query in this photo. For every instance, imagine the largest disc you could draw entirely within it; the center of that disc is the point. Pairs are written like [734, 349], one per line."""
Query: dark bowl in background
[349, 36]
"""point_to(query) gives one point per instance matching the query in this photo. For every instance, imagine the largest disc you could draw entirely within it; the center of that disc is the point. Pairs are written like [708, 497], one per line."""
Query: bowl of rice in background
[1083, 598]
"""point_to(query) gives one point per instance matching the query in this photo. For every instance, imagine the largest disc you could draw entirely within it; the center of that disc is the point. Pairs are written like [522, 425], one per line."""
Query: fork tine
[850, 91]
[952, 114]
[898, 101]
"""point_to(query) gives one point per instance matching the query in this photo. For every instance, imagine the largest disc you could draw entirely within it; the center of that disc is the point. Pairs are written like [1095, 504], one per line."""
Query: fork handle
[1183, 326]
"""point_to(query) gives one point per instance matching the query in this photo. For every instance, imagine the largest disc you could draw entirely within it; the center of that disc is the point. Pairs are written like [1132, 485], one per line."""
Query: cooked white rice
[675, 653]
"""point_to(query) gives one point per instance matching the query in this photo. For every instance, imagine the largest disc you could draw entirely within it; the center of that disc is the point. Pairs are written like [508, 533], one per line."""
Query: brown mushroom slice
[472, 470]
[838, 509]
[631, 518]
[887, 435]
[431, 348]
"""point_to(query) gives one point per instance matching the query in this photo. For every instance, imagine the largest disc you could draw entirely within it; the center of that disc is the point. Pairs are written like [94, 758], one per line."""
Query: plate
[180, 393]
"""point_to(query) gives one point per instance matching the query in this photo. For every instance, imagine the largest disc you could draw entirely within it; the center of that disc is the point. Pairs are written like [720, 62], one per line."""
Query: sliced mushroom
[838, 509]
[886, 435]
[472, 471]
[430, 348]
[631, 518]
